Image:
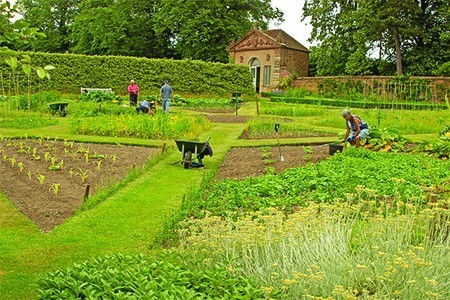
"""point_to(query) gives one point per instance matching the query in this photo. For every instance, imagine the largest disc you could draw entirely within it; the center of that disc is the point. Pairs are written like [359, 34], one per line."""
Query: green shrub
[99, 97]
[298, 93]
[158, 126]
[136, 277]
[92, 109]
[444, 69]
[445, 133]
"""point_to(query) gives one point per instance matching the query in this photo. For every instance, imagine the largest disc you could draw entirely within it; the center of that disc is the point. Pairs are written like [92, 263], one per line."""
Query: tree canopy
[379, 36]
[189, 29]
[201, 29]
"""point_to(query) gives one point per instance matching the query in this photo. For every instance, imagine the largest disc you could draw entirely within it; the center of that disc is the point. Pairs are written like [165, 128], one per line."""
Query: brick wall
[284, 62]
[295, 61]
[439, 86]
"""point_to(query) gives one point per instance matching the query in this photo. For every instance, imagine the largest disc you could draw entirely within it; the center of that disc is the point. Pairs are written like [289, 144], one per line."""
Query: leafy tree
[14, 34]
[198, 29]
[122, 27]
[53, 18]
[430, 50]
[391, 23]
[411, 34]
[332, 30]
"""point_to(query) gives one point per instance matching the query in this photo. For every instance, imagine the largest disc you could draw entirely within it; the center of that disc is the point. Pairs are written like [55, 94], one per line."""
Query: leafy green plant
[284, 83]
[326, 181]
[445, 133]
[264, 128]
[385, 140]
[439, 149]
[55, 187]
[99, 164]
[307, 149]
[117, 275]
[41, 178]
[83, 174]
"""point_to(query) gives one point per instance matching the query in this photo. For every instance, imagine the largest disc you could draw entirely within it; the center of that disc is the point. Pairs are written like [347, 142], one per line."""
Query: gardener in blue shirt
[166, 94]
[144, 106]
[357, 129]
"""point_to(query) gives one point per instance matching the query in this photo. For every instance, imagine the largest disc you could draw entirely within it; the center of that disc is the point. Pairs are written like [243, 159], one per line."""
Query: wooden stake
[86, 192]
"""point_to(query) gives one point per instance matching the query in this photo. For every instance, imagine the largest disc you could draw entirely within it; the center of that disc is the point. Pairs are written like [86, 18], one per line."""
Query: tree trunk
[398, 54]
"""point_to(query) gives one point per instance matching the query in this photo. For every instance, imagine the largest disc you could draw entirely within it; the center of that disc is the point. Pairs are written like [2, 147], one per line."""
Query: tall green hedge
[186, 76]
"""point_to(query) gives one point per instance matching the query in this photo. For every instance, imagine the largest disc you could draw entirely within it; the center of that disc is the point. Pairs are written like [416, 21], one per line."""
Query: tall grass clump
[333, 250]
[25, 120]
[297, 93]
[93, 109]
[401, 121]
[159, 126]
[292, 110]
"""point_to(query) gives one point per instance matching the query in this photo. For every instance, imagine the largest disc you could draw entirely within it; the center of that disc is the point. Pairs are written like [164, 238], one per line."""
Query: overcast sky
[292, 25]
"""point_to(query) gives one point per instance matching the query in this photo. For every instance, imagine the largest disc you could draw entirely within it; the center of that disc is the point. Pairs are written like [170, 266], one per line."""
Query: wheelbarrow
[190, 150]
[58, 107]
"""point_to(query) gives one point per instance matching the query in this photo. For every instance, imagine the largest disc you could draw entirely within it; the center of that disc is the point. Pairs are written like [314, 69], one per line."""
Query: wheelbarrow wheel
[187, 159]
[63, 112]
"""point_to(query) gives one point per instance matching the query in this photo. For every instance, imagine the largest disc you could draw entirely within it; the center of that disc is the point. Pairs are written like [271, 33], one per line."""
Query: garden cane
[277, 126]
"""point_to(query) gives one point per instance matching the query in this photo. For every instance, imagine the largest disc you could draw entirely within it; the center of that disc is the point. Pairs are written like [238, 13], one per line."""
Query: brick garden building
[271, 55]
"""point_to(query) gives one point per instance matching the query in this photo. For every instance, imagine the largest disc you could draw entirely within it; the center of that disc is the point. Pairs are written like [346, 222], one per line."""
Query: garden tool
[277, 126]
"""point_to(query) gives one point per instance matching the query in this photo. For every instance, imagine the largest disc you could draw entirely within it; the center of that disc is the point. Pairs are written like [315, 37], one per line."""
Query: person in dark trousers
[133, 90]
[144, 106]
[166, 94]
[357, 129]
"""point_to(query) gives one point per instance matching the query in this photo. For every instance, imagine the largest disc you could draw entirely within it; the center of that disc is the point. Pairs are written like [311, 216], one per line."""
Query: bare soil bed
[240, 163]
[48, 197]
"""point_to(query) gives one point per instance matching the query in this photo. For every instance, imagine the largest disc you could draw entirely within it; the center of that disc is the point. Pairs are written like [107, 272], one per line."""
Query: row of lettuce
[360, 224]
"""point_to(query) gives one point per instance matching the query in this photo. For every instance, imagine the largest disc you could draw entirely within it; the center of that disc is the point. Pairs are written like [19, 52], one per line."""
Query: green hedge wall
[186, 76]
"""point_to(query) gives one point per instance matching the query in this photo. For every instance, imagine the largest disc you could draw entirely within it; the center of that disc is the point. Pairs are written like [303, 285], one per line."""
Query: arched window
[255, 69]
[255, 63]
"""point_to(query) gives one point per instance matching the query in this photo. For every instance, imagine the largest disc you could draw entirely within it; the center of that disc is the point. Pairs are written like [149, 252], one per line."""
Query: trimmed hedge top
[186, 76]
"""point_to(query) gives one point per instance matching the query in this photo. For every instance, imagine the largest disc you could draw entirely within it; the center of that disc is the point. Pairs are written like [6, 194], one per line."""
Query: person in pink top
[133, 90]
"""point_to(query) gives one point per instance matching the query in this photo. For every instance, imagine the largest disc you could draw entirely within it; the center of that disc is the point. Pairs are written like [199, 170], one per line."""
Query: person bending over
[144, 106]
[357, 129]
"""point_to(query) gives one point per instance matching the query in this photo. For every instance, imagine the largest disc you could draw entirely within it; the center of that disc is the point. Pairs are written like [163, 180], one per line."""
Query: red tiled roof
[283, 38]
[277, 35]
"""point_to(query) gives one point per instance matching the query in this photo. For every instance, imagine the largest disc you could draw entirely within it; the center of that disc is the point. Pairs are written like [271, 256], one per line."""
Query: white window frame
[267, 75]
